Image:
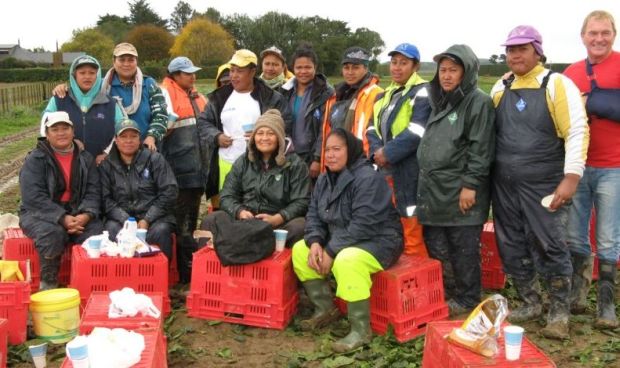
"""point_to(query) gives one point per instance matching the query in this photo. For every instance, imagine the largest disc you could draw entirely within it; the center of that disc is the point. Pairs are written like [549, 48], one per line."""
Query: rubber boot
[606, 308]
[49, 273]
[325, 311]
[559, 308]
[582, 279]
[531, 307]
[359, 318]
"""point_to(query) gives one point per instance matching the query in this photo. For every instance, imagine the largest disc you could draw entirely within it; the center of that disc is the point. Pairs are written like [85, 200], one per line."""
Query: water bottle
[127, 237]
[131, 226]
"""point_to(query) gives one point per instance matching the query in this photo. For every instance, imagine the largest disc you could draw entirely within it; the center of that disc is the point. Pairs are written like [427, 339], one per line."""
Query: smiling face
[450, 74]
[60, 135]
[86, 76]
[598, 37]
[353, 73]
[266, 141]
[242, 79]
[126, 66]
[272, 66]
[335, 153]
[128, 142]
[304, 70]
[401, 68]
[521, 58]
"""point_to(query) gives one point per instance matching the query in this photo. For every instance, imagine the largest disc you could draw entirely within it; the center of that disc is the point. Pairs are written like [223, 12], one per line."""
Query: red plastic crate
[14, 300]
[493, 276]
[18, 247]
[262, 294]
[96, 314]
[407, 296]
[144, 275]
[153, 355]
[4, 335]
[439, 353]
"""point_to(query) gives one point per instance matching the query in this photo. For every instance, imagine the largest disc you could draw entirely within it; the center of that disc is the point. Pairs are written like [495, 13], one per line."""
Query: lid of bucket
[52, 296]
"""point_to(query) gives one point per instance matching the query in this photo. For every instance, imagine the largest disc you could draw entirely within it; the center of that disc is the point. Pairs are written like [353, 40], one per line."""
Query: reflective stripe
[360, 126]
[181, 123]
[416, 129]
[372, 127]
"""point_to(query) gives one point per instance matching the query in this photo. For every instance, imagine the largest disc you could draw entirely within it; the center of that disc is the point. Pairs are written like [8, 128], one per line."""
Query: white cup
[38, 353]
[141, 234]
[546, 202]
[280, 239]
[80, 363]
[513, 337]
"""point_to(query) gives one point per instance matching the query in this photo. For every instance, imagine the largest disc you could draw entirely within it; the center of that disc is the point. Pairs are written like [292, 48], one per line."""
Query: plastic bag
[126, 303]
[480, 330]
[117, 348]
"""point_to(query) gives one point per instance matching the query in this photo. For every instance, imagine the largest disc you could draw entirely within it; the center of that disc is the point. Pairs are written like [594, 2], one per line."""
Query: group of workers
[355, 173]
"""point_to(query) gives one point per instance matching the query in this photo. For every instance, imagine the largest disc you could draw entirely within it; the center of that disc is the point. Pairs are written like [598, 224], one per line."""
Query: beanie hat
[271, 119]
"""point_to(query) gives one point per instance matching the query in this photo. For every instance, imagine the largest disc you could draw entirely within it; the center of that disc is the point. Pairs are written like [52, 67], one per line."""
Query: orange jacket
[181, 104]
[365, 100]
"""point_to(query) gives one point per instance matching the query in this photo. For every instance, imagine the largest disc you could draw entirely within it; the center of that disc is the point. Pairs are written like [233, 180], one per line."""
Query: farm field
[200, 343]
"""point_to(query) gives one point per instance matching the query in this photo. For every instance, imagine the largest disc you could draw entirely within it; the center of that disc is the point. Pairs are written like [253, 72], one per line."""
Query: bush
[33, 75]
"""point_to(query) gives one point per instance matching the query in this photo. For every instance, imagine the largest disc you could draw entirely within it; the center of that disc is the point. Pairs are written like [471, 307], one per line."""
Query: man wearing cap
[599, 189]
[181, 148]
[275, 73]
[60, 195]
[87, 103]
[137, 182]
[351, 106]
[541, 144]
[399, 119]
[141, 97]
[225, 126]
[455, 157]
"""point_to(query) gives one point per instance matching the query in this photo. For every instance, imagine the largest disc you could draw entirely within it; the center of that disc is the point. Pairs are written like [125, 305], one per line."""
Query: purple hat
[522, 35]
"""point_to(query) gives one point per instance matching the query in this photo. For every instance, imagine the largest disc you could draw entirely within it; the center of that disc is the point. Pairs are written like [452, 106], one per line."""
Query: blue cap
[406, 49]
[182, 64]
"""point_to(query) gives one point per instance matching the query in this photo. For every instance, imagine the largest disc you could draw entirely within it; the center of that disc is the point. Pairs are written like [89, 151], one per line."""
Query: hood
[220, 70]
[84, 99]
[470, 77]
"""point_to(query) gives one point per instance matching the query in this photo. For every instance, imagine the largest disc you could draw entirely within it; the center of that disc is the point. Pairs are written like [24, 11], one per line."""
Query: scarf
[137, 89]
[275, 82]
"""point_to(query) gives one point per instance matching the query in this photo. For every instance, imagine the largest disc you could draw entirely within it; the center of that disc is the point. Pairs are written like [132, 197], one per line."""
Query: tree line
[210, 38]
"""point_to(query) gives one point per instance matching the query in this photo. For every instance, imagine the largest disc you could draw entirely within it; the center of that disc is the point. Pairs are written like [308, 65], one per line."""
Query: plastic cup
[513, 337]
[80, 363]
[38, 354]
[94, 243]
[77, 349]
[141, 234]
[546, 202]
[280, 239]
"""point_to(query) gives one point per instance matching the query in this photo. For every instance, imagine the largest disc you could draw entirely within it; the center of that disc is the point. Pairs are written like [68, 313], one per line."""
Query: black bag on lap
[242, 241]
[602, 102]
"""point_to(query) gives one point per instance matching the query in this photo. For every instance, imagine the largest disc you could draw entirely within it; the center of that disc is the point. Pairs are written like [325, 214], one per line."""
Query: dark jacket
[457, 149]
[146, 189]
[95, 127]
[313, 117]
[210, 124]
[280, 189]
[42, 184]
[355, 211]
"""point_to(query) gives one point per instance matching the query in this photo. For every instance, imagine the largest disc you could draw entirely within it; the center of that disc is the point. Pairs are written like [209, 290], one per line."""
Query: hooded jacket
[354, 209]
[93, 113]
[404, 126]
[313, 117]
[457, 149]
[210, 125]
[42, 185]
[145, 189]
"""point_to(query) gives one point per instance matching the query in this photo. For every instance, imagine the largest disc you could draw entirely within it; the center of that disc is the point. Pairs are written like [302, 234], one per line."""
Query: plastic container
[4, 335]
[14, 300]
[439, 353]
[56, 314]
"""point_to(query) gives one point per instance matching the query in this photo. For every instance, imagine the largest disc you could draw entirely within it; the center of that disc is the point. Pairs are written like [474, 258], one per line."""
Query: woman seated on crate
[265, 184]
[352, 230]
[61, 197]
[138, 182]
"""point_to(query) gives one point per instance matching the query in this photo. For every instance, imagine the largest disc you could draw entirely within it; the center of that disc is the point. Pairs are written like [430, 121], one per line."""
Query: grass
[18, 119]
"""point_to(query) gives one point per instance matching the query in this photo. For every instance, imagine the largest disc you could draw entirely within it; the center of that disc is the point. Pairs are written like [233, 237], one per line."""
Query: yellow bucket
[55, 314]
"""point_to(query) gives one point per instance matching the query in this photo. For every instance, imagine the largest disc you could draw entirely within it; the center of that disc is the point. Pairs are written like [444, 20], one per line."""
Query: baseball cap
[243, 58]
[126, 124]
[523, 34]
[85, 60]
[356, 55]
[182, 64]
[273, 50]
[53, 118]
[125, 48]
[407, 50]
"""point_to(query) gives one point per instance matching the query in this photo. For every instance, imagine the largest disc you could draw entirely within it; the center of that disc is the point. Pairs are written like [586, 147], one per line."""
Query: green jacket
[279, 189]
[457, 149]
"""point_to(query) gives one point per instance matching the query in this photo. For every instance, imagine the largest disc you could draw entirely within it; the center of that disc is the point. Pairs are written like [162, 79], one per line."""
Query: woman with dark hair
[307, 94]
[352, 230]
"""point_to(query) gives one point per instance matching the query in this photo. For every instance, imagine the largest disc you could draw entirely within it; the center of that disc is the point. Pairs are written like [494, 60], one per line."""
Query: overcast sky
[430, 25]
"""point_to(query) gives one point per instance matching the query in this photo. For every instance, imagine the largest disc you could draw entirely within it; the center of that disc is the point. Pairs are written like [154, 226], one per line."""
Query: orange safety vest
[366, 97]
[181, 104]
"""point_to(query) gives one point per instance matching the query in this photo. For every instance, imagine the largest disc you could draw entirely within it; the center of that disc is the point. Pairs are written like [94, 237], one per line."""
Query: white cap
[53, 118]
